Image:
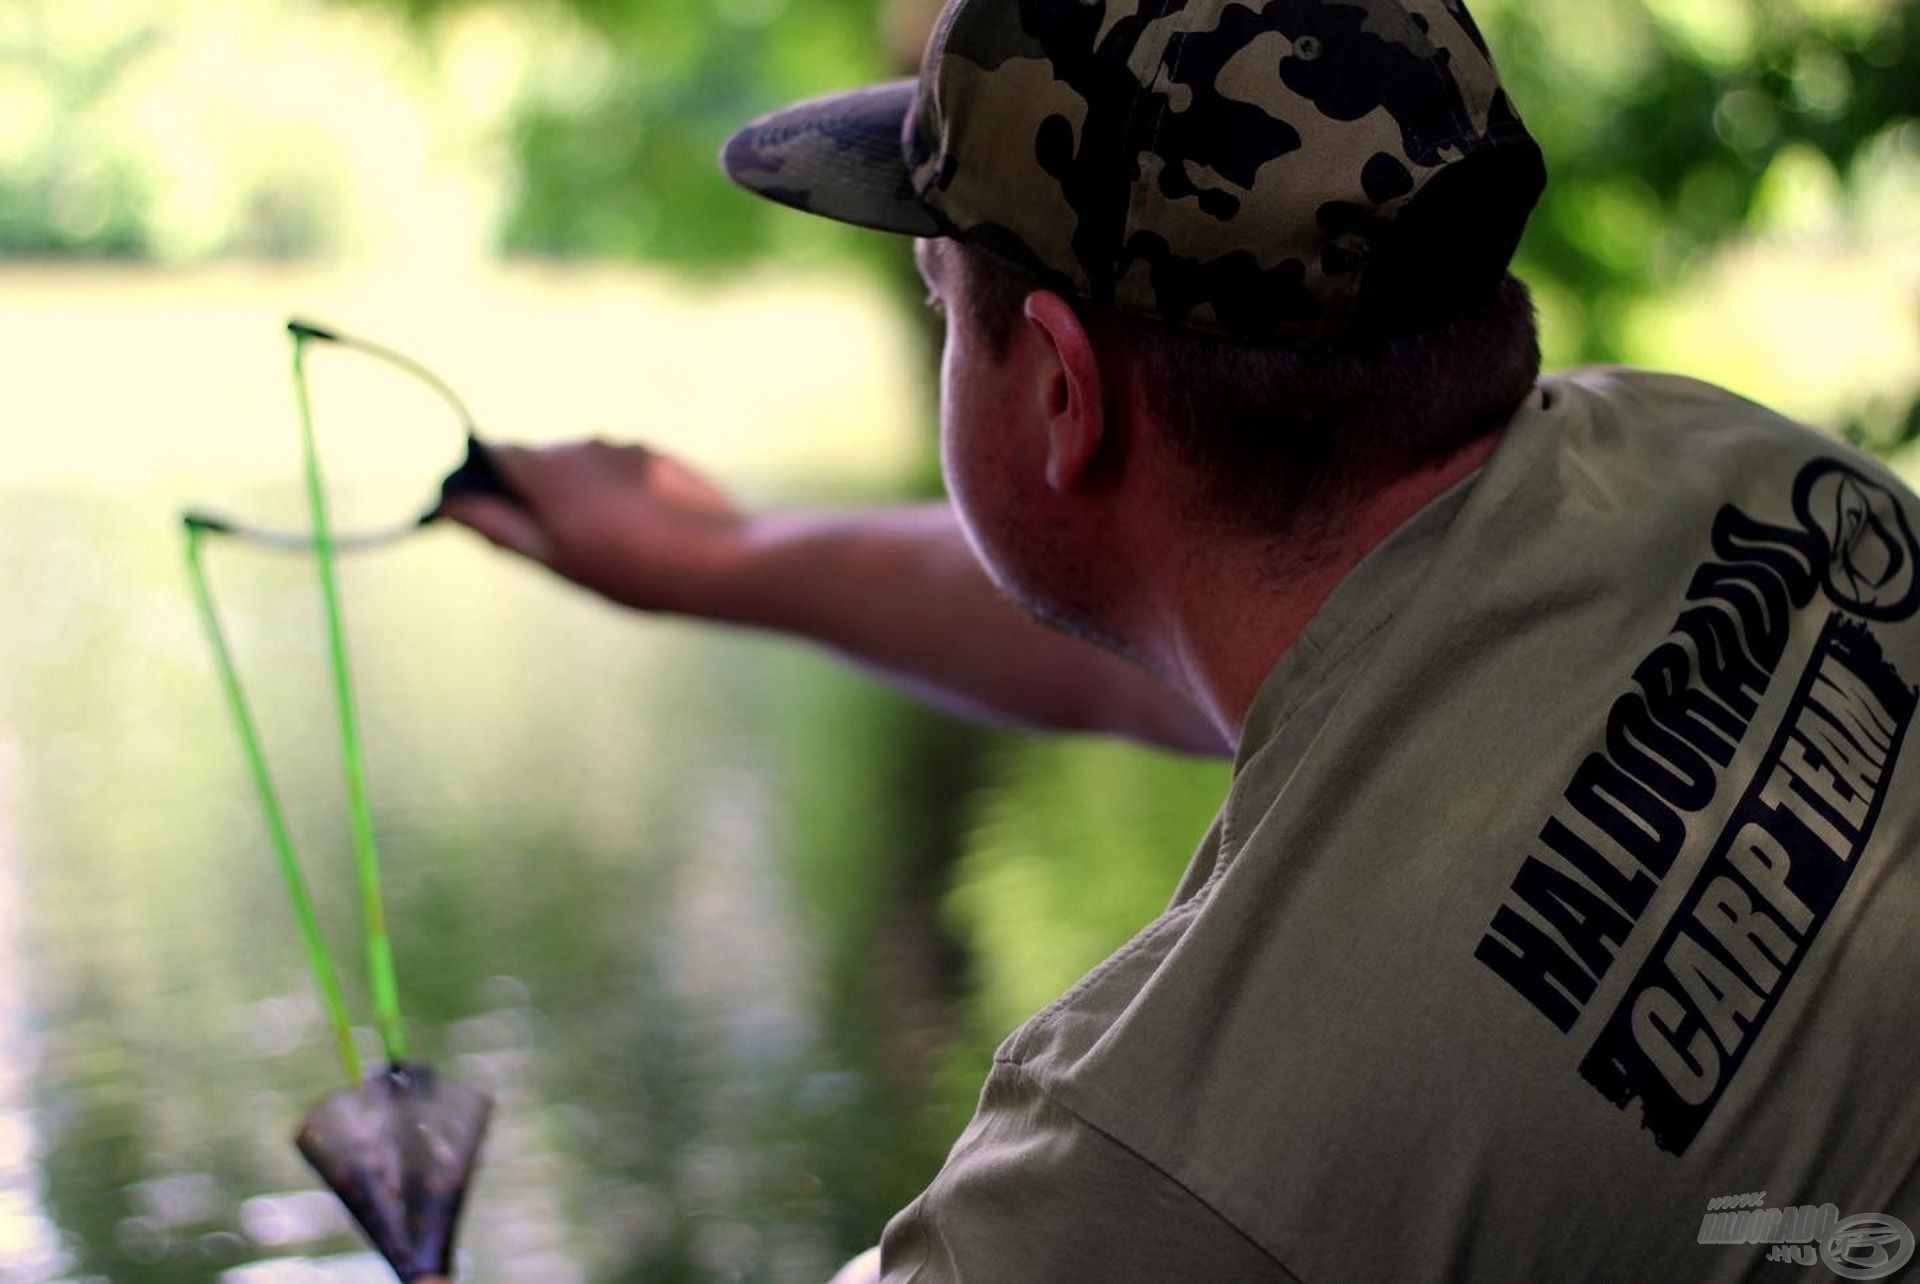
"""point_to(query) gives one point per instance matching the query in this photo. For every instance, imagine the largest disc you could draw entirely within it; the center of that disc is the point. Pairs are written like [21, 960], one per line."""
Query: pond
[679, 899]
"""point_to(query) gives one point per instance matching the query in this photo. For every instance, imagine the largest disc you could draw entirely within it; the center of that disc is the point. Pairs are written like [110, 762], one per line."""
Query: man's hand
[629, 523]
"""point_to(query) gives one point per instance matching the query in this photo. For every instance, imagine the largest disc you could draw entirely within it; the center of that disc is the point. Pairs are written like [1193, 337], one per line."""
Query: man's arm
[895, 589]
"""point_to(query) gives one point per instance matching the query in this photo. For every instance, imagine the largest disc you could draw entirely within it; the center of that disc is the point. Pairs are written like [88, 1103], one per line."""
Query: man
[1558, 921]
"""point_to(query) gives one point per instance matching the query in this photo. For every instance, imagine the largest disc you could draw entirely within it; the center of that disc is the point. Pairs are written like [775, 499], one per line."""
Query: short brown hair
[1273, 433]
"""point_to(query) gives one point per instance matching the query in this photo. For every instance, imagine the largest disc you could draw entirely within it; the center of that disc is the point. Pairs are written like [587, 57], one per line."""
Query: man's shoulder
[1640, 392]
[1646, 455]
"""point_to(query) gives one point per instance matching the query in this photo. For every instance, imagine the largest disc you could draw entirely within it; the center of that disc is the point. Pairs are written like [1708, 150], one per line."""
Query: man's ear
[1072, 396]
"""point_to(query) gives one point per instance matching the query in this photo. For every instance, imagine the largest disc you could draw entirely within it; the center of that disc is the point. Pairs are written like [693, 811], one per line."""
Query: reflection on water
[617, 869]
[588, 850]
[29, 1242]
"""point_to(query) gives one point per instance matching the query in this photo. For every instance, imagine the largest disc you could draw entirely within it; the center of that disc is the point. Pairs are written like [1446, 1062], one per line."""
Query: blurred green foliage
[59, 194]
[629, 170]
[1672, 128]
[1669, 127]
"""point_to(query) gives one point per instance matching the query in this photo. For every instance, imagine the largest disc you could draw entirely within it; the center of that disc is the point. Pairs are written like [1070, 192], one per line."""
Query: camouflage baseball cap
[1287, 171]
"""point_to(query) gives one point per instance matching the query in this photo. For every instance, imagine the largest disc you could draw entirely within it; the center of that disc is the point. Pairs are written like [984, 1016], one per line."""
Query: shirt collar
[1358, 605]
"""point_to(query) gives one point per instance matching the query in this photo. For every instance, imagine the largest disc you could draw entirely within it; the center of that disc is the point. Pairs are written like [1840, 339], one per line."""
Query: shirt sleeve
[1032, 1193]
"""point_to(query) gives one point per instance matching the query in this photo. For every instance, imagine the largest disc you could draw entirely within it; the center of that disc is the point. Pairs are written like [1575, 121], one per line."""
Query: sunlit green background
[729, 931]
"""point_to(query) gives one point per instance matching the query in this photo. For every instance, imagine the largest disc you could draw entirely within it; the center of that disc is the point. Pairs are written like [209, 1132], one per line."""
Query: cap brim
[839, 156]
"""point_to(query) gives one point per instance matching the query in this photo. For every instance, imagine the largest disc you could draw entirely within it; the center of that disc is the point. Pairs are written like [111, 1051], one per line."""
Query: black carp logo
[1703, 992]
[1871, 564]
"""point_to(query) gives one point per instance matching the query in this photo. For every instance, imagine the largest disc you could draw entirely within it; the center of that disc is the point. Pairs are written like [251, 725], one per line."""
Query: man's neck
[1226, 620]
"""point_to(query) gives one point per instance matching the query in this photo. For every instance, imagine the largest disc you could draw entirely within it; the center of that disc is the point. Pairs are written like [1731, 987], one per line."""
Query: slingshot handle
[479, 474]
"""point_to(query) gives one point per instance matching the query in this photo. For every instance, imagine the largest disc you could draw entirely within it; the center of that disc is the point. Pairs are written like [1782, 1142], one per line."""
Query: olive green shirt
[1566, 896]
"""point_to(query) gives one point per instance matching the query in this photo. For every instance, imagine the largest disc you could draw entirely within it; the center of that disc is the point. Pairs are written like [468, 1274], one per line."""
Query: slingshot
[399, 1145]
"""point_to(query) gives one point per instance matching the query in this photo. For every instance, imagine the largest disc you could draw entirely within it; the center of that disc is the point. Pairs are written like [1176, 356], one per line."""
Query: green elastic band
[386, 991]
[325, 975]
